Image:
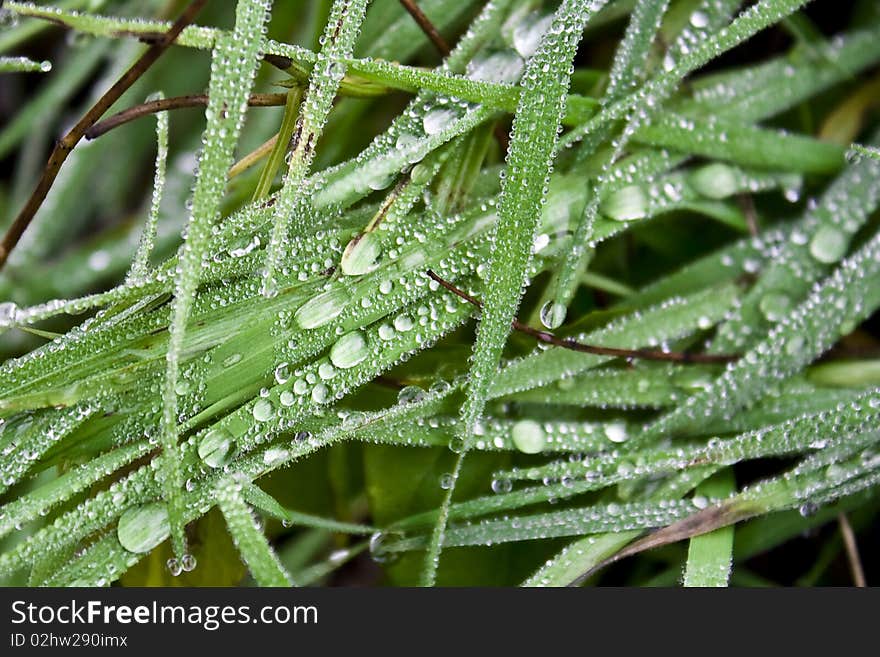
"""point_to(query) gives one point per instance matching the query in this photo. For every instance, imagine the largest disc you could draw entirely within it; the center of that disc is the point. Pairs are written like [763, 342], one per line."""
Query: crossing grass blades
[439, 292]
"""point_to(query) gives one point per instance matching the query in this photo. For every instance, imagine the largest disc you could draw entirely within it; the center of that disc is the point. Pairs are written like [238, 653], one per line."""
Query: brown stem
[177, 102]
[852, 551]
[427, 26]
[574, 345]
[747, 205]
[66, 144]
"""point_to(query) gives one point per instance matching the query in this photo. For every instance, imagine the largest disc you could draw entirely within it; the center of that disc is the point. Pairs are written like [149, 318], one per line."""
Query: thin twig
[66, 144]
[747, 205]
[427, 26]
[852, 551]
[164, 104]
[574, 345]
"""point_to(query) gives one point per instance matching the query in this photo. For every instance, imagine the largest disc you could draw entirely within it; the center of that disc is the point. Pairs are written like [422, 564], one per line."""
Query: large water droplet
[528, 437]
[828, 245]
[349, 350]
[142, 528]
[616, 432]
[527, 35]
[626, 204]
[552, 314]
[501, 66]
[361, 255]
[263, 410]
[321, 309]
[715, 181]
[215, 447]
[436, 120]
[8, 311]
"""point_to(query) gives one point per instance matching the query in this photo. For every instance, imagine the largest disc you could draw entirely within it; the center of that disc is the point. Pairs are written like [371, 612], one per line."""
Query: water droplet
[321, 309]
[626, 204]
[853, 156]
[403, 323]
[379, 548]
[828, 245]
[282, 373]
[775, 306]
[263, 410]
[528, 437]
[502, 486]
[436, 120]
[361, 255]
[527, 35]
[699, 19]
[410, 394]
[8, 311]
[326, 371]
[349, 350]
[215, 447]
[808, 509]
[320, 393]
[142, 528]
[715, 181]
[553, 314]
[499, 66]
[794, 345]
[616, 432]
[174, 567]
[447, 481]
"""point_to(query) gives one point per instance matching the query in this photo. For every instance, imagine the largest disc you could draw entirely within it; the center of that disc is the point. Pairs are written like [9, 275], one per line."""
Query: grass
[521, 292]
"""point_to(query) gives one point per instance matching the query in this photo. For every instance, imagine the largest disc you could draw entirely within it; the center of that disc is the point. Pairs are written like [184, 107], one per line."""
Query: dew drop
[349, 350]
[321, 309]
[502, 486]
[142, 528]
[361, 255]
[410, 394]
[626, 204]
[436, 120]
[716, 181]
[828, 245]
[528, 437]
[616, 432]
[320, 393]
[552, 314]
[263, 410]
[282, 373]
[8, 311]
[215, 447]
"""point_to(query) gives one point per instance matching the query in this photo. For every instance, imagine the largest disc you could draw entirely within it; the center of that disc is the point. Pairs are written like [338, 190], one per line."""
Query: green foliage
[205, 372]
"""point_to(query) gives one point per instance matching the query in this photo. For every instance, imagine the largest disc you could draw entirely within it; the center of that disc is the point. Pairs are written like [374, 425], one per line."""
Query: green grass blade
[233, 69]
[249, 539]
